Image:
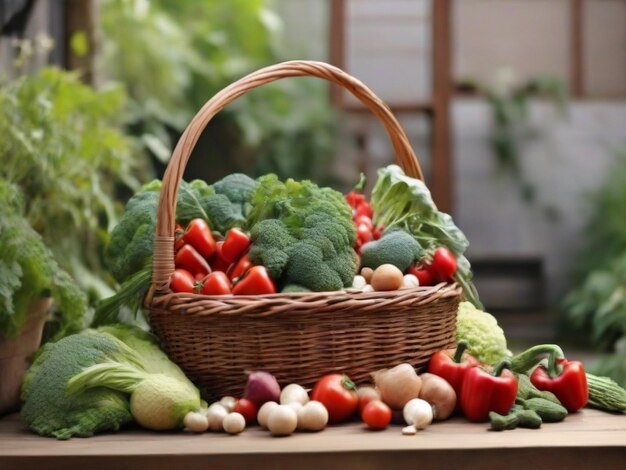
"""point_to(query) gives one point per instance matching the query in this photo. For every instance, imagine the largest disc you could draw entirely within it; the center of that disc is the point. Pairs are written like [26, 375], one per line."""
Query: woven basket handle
[163, 260]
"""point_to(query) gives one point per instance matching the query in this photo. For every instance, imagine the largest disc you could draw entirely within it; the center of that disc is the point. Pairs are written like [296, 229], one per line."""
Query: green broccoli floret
[222, 214]
[237, 187]
[81, 384]
[303, 234]
[484, 337]
[294, 288]
[395, 247]
[270, 240]
[308, 267]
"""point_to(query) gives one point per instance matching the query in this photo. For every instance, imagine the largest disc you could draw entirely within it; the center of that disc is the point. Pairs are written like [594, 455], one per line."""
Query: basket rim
[198, 305]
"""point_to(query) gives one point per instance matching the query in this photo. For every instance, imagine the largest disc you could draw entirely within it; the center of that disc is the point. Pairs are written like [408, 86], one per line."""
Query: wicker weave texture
[297, 337]
[299, 340]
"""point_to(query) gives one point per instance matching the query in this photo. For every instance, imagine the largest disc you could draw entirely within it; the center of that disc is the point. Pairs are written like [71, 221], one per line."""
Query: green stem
[499, 368]
[460, 349]
[531, 357]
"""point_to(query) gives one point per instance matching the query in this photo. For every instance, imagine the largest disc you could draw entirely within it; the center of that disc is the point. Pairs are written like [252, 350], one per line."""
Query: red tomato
[377, 232]
[182, 281]
[178, 237]
[235, 243]
[363, 233]
[443, 266]
[257, 281]
[247, 409]
[198, 235]
[365, 220]
[216, 283]
[338, 394]
[364, 209]
[366, 395]
[188, 258]
[423, 275]
[376, 415]
[217, 261]
[240, 268]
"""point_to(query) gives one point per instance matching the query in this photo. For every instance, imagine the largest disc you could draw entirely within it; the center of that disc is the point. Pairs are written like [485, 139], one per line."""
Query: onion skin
[262, 387]
[440, 394]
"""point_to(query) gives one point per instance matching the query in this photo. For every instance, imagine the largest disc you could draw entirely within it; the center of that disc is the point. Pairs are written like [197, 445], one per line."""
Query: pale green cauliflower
[482, 333]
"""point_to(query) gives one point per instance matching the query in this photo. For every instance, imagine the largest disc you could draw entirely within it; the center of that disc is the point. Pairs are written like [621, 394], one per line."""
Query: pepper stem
[499, 368]
[531, 357]
[460, 349]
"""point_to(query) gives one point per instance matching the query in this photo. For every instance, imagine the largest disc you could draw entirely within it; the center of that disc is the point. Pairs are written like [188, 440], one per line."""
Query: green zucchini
[605, 394]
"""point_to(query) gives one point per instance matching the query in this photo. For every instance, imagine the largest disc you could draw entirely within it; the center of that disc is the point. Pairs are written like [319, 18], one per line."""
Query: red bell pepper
[483, 392]
[235, 244]
[566, 379]
[256, 281]
[188, 258]
[452, 365]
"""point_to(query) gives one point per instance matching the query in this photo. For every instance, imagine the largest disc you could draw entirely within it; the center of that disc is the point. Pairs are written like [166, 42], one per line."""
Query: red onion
[262, 387]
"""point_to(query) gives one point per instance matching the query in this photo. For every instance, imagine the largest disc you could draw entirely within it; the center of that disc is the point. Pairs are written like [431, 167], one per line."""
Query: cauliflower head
[484, 337]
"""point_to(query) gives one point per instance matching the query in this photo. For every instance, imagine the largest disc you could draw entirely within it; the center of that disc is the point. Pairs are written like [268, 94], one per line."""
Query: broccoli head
[302, 234]
[395, 247]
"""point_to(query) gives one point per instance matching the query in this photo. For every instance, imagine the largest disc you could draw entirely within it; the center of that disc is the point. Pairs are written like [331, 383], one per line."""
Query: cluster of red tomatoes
[362, 218]
[440, 269]
[208, 266]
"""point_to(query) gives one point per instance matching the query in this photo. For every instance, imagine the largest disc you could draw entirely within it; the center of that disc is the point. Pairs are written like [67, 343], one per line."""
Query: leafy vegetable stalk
[404, 202]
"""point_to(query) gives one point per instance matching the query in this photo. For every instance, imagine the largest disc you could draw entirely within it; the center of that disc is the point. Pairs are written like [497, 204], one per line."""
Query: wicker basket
[297, 337]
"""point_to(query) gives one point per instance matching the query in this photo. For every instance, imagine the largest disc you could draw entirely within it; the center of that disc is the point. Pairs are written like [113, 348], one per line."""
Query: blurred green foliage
[596, 307]
[172, 56]
[64, 146]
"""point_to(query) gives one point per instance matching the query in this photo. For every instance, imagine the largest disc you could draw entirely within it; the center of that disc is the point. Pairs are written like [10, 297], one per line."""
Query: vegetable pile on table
[241, 236]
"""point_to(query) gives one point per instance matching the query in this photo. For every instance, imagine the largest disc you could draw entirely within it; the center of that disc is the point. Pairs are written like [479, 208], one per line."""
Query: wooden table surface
[588, 439]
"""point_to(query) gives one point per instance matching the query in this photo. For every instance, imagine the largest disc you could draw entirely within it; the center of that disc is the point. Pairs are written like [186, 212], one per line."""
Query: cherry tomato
[376, 415]
[256, 281]
[364, 209]
[338, 394]
[423, 275]
[188, 258]
[247, 409]
[216, 283]
[217, 261]
[240, 268]
[182, 281]
[365, 220]
[354, 198]
[178, 237]
[198, 235]
[235, 243]
[443, 266]
[377, 232]
[363, 233]
[366, 395]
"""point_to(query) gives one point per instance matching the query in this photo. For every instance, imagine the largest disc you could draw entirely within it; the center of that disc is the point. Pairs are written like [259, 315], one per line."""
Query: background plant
[63, 145]
[511, 125]
[596, 308]
[173, 56]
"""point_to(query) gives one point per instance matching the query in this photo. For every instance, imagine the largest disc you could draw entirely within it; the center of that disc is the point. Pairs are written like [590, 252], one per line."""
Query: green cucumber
[548, 411]
[605, 394]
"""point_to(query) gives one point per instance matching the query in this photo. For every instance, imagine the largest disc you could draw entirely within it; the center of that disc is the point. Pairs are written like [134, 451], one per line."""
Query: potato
[387, 277]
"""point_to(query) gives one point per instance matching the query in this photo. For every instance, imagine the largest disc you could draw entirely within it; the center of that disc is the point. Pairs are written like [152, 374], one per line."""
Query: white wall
[566, 160]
